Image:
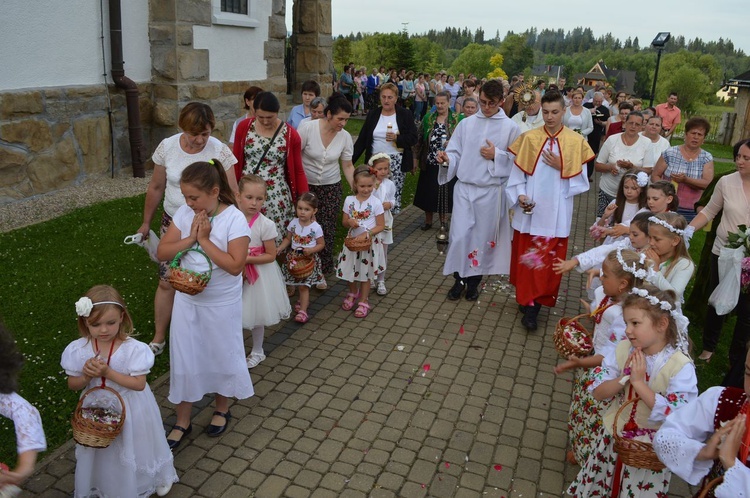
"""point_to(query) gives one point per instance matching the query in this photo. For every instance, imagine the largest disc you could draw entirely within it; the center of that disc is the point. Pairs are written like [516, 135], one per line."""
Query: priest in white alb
[477, 154]
[548, 173]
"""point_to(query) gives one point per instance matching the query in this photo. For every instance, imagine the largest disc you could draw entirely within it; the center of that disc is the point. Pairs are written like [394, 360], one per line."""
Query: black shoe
[529, 317]
[217, 430]
[522, 308]
[174, 443]
[472, 293]
[455, 293]
[426, 226]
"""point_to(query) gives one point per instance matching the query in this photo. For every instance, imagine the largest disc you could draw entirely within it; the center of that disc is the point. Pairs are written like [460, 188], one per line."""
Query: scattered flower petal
[461, 330]
[498, 467]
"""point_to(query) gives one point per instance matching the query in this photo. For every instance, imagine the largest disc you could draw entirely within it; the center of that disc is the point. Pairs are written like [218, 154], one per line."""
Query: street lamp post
[658, 43]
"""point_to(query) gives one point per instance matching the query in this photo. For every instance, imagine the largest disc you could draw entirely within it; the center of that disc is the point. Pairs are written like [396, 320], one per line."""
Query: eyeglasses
[490, 104]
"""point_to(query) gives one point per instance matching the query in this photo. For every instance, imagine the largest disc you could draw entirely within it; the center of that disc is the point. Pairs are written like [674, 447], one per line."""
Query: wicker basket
[189, 281]
[300, 266]
[92, 433]
[567, 347]
[637, 454]
[709, 488]
[355, 245]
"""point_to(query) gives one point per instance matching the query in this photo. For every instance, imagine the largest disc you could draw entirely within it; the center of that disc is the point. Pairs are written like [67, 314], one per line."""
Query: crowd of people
[502, 162]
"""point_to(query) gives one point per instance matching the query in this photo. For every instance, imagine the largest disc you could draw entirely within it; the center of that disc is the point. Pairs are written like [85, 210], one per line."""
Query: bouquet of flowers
[741, 239]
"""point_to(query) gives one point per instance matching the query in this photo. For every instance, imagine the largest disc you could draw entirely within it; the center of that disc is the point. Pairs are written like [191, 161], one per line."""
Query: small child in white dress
[138, 462]
[304, 236]
[364, 217]
[29, 432]
[385, 191]
[264, 299]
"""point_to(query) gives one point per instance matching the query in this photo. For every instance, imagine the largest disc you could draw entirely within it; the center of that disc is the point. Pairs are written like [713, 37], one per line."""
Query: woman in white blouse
[325, 143]
[731, 197]
[577, 117]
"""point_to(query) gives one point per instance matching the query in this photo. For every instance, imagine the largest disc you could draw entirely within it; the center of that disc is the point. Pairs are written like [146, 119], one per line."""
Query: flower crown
[641, 178]
[680, 320]
[377, 157]
[85, 305]
[633, 270]
[659, 221]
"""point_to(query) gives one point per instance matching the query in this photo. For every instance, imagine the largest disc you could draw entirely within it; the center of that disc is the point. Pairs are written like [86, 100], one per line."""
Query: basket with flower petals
[571, 337]
[634, 444]
[189, 281]
[98, 424]
[299, 265]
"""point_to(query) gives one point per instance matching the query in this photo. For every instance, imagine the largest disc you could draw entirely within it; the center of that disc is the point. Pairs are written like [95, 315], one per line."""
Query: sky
[690, 18]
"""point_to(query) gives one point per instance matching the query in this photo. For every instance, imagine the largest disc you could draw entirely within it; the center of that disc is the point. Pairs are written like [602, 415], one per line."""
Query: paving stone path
[423, 398]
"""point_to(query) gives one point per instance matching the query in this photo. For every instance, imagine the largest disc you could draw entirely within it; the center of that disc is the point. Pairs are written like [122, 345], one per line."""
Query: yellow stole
[573, 147]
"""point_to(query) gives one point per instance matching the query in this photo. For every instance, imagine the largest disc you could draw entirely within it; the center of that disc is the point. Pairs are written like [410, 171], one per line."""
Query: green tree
[517, 55]
[405, 51]
[691, 84]
[474, 58]
[342, 51]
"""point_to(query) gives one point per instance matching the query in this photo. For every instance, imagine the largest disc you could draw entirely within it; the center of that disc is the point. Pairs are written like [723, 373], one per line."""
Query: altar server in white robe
[548, 174]
[480, 231]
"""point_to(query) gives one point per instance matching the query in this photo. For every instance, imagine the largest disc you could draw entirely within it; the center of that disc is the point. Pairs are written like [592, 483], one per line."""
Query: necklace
[690, 157]
[626, 139]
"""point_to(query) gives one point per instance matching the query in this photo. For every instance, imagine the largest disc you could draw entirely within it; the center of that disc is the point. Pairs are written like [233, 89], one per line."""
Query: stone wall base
[54, 137]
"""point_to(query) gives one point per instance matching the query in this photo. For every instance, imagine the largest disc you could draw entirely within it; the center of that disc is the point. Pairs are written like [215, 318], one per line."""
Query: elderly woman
[174, 154]
[729, 197]
[317, 108]
[577, 117]
[389, 129]
[248, 99]
[691, 167]
[325, 144]
[437, 128]
[270, 148]
[659, 144]
[470, 106]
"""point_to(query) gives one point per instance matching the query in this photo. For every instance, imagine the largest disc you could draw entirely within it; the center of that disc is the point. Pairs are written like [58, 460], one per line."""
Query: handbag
[268, 147]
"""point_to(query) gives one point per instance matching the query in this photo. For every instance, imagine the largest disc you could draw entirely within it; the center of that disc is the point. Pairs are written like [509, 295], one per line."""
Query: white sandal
[157, 347]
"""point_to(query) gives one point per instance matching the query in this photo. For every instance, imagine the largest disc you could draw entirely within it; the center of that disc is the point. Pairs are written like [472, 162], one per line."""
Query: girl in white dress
[631, 199]
[653, 366]
[671, 265]
[304, 235]
[207, 350]
[385, 191]
[364, 217]
[264, 299]
[29, 432]
[138, 462]
[621, 271]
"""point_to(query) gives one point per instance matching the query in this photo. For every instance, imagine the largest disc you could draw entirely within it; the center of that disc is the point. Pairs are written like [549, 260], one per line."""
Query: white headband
[680, 320]
[85, 305]
[379, 155]
[633, 270]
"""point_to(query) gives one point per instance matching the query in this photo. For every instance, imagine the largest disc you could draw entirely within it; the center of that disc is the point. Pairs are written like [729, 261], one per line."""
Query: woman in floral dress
[269, 148]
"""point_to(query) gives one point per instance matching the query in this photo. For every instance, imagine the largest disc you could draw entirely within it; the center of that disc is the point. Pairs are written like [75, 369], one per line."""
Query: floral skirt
[585, 417]
[329, 210]
[361, 266]
[398, 178]
[596, 476]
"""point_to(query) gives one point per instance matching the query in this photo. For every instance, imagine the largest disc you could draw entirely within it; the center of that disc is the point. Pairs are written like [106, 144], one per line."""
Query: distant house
[62, 119]
[741, 106]
[621, 80]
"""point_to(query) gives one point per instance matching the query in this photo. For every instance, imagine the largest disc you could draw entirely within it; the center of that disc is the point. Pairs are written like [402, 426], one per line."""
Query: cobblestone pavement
[424, 397]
